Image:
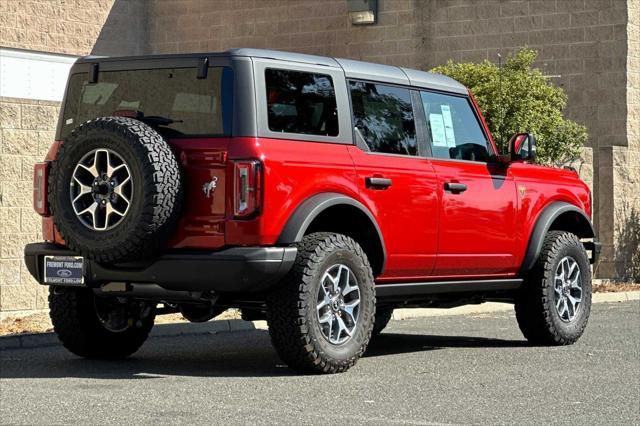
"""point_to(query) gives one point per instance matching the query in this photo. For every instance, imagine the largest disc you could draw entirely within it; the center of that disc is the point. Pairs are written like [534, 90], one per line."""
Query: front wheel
[321, 316]
[99, 327]
[553, 306]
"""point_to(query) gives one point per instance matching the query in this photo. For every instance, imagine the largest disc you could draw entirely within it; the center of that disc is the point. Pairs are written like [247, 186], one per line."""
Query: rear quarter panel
[293, 172]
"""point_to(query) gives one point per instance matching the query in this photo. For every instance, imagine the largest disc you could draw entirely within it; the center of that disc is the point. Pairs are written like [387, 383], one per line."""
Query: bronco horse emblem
[209, 187]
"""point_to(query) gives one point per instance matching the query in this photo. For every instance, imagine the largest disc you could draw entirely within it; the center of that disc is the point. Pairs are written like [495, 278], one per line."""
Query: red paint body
[429, 233]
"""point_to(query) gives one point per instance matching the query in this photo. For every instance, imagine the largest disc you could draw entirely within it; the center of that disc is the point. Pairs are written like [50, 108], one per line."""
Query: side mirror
[522, 146]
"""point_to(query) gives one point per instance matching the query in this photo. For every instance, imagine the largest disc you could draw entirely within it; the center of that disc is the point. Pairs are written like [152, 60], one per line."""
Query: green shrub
[527, 102]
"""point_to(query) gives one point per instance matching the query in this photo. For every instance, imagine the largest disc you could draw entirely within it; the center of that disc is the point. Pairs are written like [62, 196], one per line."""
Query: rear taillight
[247, 184]
[40, 176]
[40, 180]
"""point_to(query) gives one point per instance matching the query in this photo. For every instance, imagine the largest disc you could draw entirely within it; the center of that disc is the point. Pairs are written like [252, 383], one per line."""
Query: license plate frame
[64, 270]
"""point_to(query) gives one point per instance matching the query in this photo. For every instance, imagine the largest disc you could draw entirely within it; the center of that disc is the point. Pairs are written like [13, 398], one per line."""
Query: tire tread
[534, 305]
[162, 193]
[287, 307]
[76, 325]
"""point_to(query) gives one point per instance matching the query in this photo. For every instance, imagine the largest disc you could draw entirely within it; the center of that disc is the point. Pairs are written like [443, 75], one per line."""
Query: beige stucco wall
[75, 27]
[626, 164]
[307, 26]
[26, 131]
[619, 183]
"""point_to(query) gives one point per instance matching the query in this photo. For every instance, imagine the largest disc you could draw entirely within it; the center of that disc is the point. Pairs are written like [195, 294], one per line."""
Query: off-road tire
[253, 315]
[291, 307]
[77, 325]
[156, 198]
[383, 316]
[535, 308]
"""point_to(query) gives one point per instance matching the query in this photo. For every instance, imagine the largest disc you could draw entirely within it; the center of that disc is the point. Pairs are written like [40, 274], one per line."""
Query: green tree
[519, 98]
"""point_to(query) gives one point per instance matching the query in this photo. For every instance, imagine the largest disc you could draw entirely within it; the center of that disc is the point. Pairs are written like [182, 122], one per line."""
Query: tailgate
[203, 162]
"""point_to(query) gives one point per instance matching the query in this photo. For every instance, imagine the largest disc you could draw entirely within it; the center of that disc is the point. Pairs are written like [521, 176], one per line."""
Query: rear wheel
[321, 316]
[383, 316]
[99, 327]
[553, 306]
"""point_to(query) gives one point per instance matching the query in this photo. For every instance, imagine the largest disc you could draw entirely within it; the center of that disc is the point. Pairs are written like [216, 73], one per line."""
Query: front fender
[546, 219]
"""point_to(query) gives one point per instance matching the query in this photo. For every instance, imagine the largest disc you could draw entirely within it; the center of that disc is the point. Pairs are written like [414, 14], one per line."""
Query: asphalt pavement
[465, 369]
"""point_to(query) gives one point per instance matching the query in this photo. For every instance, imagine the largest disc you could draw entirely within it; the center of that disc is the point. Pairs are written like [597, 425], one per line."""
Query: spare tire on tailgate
[115, 190]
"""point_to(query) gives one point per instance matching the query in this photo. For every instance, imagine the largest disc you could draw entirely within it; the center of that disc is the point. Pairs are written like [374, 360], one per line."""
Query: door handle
[377, 182]
[455, 187]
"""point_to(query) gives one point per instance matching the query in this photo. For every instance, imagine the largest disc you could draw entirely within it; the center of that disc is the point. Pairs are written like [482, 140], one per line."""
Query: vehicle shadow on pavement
[397, 343]
[240, 354]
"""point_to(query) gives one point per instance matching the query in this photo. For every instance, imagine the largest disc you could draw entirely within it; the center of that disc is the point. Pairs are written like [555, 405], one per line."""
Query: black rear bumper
[237, 269]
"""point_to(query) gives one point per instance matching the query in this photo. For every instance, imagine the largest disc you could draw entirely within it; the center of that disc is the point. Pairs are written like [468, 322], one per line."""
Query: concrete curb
[625, 296]
[36, 340]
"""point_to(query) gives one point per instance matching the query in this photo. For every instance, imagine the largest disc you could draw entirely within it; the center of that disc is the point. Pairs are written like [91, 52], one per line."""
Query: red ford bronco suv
[315, 192]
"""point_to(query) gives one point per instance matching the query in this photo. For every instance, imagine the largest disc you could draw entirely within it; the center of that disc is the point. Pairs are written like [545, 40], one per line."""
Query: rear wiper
[153, 120]
[158, 120]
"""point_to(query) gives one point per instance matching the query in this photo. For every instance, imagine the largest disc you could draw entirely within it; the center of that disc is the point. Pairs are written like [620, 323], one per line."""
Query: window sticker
[438, 136]
[448, 126]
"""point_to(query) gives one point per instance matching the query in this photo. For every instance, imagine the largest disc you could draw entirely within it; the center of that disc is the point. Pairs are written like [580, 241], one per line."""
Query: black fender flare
[542, 226]
[308, 210]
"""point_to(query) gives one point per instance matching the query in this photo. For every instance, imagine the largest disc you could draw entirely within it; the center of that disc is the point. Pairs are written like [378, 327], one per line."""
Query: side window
[301, 102]
[453, 129]
[383, 117]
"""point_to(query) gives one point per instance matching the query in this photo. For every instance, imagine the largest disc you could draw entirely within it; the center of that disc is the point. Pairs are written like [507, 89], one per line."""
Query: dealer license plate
[64, 270]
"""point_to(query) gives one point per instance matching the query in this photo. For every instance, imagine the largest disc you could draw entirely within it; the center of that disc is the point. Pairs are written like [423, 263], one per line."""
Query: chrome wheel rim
[101, 189]
[338, 304]
[568, 289]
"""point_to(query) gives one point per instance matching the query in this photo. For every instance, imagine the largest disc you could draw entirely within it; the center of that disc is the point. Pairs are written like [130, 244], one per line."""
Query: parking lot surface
[465, 369]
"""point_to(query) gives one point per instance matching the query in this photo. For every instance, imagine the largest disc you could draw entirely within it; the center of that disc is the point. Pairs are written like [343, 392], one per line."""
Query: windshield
[188, 105]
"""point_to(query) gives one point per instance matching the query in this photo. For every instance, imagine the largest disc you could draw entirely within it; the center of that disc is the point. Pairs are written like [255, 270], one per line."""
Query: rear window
[198, 106]
[301, 102]
[383, 117]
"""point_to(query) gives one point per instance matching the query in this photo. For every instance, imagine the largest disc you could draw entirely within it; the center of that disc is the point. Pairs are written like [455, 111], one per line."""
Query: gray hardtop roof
[352, 68]
[362, 70]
